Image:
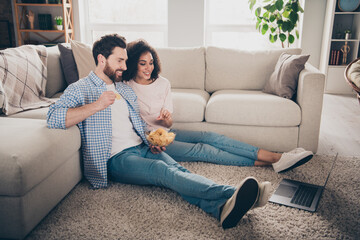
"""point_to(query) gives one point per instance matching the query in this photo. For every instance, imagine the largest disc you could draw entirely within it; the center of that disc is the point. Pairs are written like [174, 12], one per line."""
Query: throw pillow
[23, 78]
[83, 57]
[68, 64]
[284, 80]
[354, 73]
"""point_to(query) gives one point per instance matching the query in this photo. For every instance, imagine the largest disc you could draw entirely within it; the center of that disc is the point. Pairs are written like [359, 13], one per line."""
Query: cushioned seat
[35, 173]
[252, 108]
[189, 104]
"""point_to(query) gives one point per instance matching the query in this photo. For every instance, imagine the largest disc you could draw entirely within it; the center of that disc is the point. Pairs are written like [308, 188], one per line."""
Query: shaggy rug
[142, 212]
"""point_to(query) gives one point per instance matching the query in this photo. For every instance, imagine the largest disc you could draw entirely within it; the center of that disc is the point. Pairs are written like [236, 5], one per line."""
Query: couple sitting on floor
[114, 106]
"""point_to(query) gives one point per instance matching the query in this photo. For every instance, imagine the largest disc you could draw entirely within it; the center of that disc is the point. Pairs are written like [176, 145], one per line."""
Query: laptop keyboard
[304, 196]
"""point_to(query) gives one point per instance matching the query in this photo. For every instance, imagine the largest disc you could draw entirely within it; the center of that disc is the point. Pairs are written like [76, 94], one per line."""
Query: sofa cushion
[183, 67]
[240, 69]
[284, 80]
[252, 108]
[31, 153]
[189, 104]
[55, 77]
[23, 70]
[83, 57]
[68, 63]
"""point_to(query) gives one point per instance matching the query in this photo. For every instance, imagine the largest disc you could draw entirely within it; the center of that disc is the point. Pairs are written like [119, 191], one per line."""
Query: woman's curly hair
[134, 50]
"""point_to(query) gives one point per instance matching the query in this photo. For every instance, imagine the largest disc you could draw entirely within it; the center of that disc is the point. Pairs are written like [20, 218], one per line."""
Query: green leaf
[295, 6]
[252, 3]
[282, 37]
[258, 11]
[264, 29]
[286, 14]
[272, 29]
[266, 14]
[285, 26]
[293, 17]
[279, 4]
[258, 24]
[300, 8]
[272, 18]
[297, 34]
[267, 7]
[291, 38]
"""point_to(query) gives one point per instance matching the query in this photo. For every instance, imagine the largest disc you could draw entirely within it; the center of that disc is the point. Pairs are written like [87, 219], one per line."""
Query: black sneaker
[242, 201]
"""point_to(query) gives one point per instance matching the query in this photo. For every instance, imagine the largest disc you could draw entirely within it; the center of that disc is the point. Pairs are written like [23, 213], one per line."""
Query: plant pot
[59, 27]
[347, 36]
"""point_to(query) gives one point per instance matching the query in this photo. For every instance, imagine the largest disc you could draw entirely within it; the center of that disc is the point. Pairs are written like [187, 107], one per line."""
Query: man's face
[116, 64]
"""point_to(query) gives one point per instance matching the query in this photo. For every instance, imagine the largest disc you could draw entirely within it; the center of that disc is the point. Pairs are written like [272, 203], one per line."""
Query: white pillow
[354, 73]
[83, 58]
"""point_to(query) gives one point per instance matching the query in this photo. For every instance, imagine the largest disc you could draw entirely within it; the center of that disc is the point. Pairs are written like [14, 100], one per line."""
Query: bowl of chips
[160, 137]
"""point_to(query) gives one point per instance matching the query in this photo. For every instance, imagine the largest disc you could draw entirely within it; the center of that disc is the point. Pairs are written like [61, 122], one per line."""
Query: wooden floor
[340, 126]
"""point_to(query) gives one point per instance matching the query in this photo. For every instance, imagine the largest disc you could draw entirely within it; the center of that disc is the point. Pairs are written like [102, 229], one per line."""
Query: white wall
[312, 30]
[185, 24]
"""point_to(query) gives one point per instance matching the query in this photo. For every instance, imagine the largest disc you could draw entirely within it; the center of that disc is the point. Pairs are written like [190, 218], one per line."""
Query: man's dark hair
[134, 51]
[106, 44]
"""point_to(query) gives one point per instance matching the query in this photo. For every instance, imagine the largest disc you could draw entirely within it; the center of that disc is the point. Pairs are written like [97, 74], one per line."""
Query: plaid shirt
[96, 130]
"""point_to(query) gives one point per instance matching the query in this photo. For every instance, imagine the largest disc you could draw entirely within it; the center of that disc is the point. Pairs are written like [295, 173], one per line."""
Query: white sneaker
[264, 194]
[292, 159]
[240, 202]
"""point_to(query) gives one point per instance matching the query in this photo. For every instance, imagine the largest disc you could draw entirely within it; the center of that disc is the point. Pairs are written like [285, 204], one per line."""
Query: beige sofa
[214, 89]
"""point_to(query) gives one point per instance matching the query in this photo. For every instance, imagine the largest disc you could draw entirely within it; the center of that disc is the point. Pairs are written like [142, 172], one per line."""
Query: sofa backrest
[55, 77]
[240, 69]
[183, 67]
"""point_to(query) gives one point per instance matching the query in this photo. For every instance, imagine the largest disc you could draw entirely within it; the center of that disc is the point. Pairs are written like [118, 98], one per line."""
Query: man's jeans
[192, 146]
[137, 165]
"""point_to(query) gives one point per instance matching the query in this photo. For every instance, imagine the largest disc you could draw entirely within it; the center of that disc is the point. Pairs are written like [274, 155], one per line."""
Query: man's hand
[106, 99]
[165, 118]
[156, 149]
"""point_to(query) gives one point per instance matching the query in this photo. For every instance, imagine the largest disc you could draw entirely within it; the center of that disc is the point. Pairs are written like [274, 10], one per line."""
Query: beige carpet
[134, 212]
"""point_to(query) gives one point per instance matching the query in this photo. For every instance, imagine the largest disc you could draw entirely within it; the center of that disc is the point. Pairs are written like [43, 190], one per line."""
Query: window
[132, 19]
[231, 24]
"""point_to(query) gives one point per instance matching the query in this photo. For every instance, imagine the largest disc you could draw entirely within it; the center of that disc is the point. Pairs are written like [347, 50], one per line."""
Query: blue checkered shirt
[96, 130]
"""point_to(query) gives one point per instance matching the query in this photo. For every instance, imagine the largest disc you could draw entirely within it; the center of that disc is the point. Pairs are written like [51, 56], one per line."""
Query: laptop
[299, 195]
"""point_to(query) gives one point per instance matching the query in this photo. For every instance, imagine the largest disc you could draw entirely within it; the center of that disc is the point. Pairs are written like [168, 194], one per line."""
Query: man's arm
[79, 114]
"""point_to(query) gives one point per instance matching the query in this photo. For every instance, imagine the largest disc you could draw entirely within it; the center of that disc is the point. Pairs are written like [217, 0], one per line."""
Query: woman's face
[145, 66]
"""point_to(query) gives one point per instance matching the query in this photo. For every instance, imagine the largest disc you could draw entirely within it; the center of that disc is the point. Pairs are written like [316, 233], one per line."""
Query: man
[114, 142]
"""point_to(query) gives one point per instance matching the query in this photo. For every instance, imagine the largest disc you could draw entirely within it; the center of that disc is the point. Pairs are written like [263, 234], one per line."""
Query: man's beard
[111, 73]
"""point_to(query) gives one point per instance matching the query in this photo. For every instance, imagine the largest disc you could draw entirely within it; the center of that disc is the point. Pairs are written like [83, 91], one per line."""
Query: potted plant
[59, 21]
[347, 34]
[278, 16]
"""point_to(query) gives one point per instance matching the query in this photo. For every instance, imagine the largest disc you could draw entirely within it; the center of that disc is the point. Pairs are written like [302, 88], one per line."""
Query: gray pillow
[284, 80]
[68, 64]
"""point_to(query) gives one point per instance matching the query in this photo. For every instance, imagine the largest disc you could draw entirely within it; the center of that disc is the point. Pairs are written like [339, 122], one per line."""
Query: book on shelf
[335, 57]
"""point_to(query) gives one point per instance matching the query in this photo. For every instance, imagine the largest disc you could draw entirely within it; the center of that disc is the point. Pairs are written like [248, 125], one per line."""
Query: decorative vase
[347, 36]
[59, 27]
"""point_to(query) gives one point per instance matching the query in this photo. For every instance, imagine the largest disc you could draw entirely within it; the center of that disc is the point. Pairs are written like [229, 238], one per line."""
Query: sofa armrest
[310, 99]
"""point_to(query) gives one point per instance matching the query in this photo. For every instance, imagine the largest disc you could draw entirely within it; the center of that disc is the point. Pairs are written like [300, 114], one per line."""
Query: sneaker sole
[299, 163]
[245, 199]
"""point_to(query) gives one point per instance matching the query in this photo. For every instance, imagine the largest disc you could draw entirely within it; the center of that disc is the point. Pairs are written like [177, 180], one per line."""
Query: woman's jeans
[191, 146]
[138, 165]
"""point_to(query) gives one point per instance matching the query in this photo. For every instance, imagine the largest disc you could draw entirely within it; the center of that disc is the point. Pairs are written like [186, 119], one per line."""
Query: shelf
[39, 5]
[346, 13]
[38, 30]
[343, 40]
[48, 33]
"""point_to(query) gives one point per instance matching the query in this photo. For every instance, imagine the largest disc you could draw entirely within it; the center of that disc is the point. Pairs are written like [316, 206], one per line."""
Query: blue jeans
[191, 146]
[137, 165]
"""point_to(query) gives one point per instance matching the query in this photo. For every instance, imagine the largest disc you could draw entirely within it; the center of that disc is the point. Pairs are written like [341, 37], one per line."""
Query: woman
[154, 97]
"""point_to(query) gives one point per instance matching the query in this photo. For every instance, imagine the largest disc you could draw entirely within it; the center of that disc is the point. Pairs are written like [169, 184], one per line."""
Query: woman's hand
[156, 149]
[165, 118]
